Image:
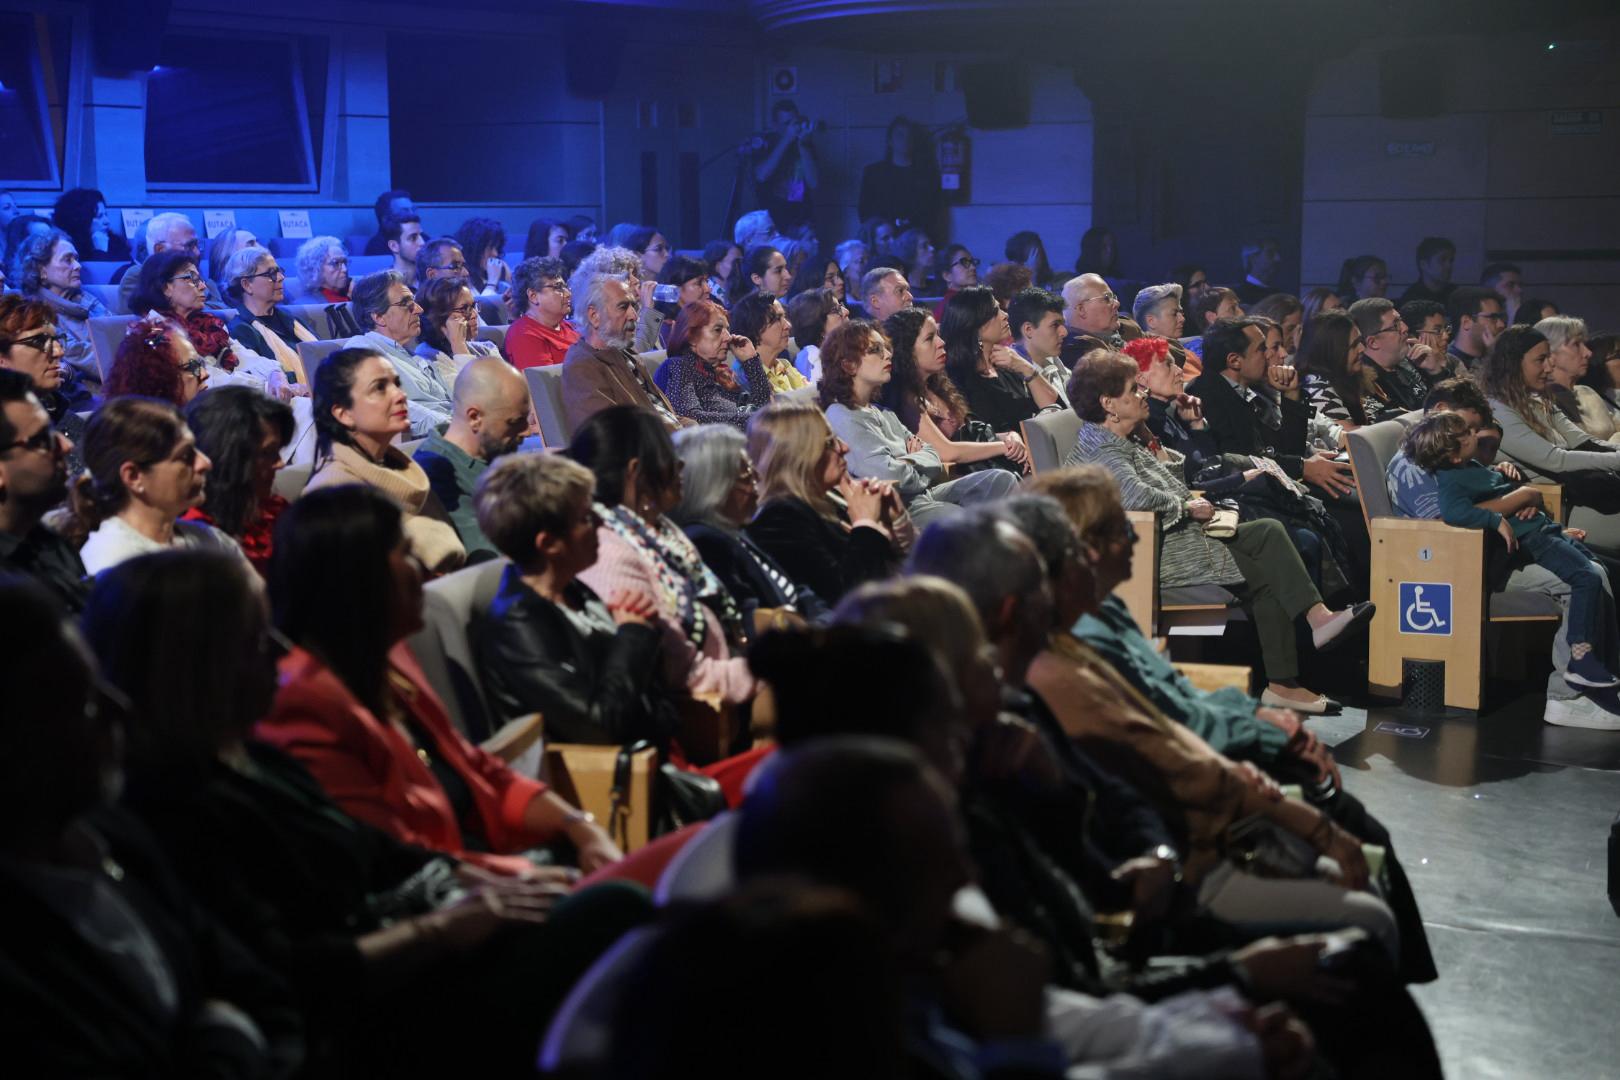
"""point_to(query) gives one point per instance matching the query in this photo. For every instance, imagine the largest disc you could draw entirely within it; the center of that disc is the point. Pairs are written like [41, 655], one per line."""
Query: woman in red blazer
[356, 710]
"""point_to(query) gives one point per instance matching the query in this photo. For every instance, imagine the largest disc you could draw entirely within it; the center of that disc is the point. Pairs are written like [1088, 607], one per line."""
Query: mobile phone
[666, 294]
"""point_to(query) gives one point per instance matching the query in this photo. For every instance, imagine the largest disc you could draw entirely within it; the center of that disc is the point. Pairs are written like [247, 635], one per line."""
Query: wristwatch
[1166, 853]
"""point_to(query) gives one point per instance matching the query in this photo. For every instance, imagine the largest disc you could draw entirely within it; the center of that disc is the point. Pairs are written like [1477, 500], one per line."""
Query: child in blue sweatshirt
[1475, 497]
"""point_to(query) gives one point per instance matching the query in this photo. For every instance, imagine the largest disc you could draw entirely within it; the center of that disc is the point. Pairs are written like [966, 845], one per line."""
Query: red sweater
[529, 344]
[372, 770]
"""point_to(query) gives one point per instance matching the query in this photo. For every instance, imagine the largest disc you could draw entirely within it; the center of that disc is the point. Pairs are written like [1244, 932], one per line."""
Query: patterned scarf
[208, 336]
[686, 581]
[720, 372]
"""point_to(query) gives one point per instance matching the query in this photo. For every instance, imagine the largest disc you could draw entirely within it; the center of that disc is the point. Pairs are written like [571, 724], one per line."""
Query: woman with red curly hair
[698, 376]
[856, 363]
[157, 360]
[1175, 417]
[171, 286]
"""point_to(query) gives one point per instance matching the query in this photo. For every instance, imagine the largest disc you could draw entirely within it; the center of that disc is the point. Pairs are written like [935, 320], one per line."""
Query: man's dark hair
[14, 386]
[1223, 338]
[1030, 306]
[1414, 313]
[385, 204]
[1430, 246]
[1495, 270]
[394, 227]
[1207, 304]
[1368, 313]
[1459, 394]
[1467, 301]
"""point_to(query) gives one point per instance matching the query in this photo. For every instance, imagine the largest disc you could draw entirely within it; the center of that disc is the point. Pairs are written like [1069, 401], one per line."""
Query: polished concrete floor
[1502, 822]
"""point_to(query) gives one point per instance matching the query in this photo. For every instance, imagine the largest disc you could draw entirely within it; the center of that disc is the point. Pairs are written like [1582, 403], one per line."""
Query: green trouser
[1278, 589]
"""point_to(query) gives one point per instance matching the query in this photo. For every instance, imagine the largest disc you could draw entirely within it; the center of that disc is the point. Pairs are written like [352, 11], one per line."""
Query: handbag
[1223, 526]
[680, 797]
[1259, 847]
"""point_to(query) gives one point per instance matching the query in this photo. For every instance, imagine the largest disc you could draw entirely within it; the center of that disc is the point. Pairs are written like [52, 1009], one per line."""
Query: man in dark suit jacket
[1247, 420]
[600, 370]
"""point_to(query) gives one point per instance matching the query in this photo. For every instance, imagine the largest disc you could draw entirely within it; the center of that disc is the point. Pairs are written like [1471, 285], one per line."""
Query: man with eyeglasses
[33, 481]
[1091, 311]
[960, 271]
[439, 258]
[1384, 337]
[541, 335]
[383, 302]
[1477, 317]
[166, 232]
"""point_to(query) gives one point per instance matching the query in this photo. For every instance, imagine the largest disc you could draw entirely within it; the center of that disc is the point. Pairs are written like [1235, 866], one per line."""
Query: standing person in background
[904, 186]
[82, 214]
[785, 172]
[1028, 249]
[1435, 258]
[389, 204]
[1506, 280]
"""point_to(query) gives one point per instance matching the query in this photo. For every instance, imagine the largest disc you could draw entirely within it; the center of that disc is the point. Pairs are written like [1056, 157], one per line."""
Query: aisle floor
[1502, 822]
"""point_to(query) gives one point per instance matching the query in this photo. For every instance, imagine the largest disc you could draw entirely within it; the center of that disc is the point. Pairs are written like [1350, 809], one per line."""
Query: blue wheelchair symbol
[1425, 608]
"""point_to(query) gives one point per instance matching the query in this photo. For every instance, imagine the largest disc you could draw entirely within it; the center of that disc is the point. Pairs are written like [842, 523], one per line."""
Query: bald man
[489, 417]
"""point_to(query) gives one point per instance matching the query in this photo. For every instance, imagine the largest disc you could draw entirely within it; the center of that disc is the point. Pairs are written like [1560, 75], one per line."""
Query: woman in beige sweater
[359, 408]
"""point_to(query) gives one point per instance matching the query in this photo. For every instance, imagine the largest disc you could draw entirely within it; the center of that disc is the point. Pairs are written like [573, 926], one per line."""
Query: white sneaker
[1581, 713]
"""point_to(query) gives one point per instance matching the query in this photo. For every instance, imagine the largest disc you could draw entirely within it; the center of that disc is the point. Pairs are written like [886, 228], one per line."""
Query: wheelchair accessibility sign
[1425, 607]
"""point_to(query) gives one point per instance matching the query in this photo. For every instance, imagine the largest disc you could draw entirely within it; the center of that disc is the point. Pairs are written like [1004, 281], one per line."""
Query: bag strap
[618, 825]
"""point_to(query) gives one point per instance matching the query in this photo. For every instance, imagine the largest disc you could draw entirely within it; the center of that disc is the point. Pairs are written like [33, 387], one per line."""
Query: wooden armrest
[1212, 677]
[1552, 500]
[511, 741]
[583, 775]
[1140, 591]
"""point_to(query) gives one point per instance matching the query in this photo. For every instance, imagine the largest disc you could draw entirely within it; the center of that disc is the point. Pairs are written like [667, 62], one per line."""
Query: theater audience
[1287, 312]
[323, 270]
[48, 271]
[33, 481]
[1028, 250]
[143, 471]
[541, 334]
[829, 531]
[921, 393]
[723, 258]
[111, 966]
[644, 555]
[857, 362]
[1362, 276]
[31, 345]
[1175, 418]
[1436, 256]
[171, 287]
[1203, 311]
[439, 258]
[753, 229]
[19, 229]
[916, 250]
[1320, 299]
[691, 277]
[765, 269]
[360, 409]
[1035, 317]
[599, 370]
[490, 419]
[484, 242]
[386, 944]
[449, 328]
[242, 433]
[256, 284]
[82, 214]
[1392, 352]
[698, 376]
[719, 496]
[654, 250]
[384, 305]
[1330, 360]
[1157, 310]
[958, 270]
[354, 708]
[1256, 561]
[404, 237]
[156, 359]
[1002, 387]
[549, 643]
[622, 262]
[811, 314]
[390, 204]
[761, 319]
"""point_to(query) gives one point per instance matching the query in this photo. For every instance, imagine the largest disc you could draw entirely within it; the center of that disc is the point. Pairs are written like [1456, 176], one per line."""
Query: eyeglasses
[466, 311]
[43, 440]
[407, 303]
[967, 262]
[458, 267]
[41, 341]
[1396, 329]
[195, 368]
[555, 286]
[1107, 298]
[191, 275]
[275, 273]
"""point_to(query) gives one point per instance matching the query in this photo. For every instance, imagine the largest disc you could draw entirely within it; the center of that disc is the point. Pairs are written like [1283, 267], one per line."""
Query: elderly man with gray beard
[600, 369]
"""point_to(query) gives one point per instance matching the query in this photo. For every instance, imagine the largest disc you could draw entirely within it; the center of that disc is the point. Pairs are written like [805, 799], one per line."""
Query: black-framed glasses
[1396, 329]
[967, 262]
[458, 267]
[555, 286]
[195, 368]
[191, 276]
[466, 311]
[43, 440]
[275, 273]
[41, 341]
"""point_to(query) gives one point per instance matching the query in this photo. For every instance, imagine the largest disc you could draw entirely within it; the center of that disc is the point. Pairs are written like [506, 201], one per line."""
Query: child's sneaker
[1588, 673]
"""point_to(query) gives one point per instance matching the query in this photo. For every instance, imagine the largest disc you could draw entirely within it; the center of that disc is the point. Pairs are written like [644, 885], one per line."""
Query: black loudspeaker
[1412, 82]
[590, 73]
[126, 34]
[997, 95]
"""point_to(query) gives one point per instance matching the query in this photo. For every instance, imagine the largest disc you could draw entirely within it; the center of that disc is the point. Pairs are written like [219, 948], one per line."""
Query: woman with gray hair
[323, 270]
[1585, 407]
[253, 281]
[719, 495]
[48, 270]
